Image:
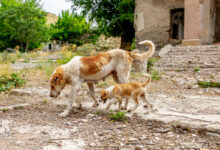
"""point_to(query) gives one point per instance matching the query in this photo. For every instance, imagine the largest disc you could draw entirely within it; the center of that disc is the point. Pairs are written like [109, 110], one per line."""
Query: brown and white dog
[130, 90]
[90, 69]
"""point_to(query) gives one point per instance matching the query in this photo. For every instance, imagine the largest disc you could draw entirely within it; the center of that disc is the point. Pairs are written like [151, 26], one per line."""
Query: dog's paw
[95, 105]
[64, 114]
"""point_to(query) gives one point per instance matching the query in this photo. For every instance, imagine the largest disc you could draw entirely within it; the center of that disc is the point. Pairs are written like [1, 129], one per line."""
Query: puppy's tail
[148, 81]
[148, 54]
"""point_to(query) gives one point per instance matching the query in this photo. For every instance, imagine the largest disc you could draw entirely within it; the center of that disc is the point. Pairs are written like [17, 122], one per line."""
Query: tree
[23, 23]
[113, 17]
[70, 27]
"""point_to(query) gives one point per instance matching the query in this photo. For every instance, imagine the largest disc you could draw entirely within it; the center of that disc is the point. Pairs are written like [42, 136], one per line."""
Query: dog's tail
[146, 55]
[148, 81]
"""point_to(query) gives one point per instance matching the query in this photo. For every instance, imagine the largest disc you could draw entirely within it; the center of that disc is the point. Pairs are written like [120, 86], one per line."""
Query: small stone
[68, 123]
[213, 134]
[132, 139]
[84, 120]
[138, 148]
[43, 132]
[92, 144]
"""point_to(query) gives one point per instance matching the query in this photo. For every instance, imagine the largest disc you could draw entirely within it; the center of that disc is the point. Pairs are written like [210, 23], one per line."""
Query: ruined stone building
[194, 22]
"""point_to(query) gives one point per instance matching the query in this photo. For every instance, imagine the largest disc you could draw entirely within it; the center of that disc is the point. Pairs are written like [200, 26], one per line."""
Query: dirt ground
[38, 125]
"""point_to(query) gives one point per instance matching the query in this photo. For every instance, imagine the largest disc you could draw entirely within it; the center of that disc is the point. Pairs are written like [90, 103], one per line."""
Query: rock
[92, 144]
[217, 91]
[84, 120]
[121, 127]
[68, 123]
[213, 134]
[132, 139]
[190, 145]
[138, 148]
[21, 92]
[165, 50]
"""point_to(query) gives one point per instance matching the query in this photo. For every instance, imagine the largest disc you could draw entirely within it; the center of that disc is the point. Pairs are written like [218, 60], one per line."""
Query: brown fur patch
[93, 64]
[57, 77]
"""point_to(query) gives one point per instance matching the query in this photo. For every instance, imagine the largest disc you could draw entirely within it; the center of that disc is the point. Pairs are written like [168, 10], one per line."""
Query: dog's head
[57, 82]
[104, 95]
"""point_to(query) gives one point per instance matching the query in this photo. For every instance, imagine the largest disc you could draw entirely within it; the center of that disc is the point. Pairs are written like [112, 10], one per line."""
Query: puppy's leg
[119, 102]
[147, 103]
[135, 97]
[114, 101]
[126, 104]
[92, 93]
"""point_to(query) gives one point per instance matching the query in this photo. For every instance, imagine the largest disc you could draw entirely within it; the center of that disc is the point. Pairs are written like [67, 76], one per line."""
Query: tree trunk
[26, 48]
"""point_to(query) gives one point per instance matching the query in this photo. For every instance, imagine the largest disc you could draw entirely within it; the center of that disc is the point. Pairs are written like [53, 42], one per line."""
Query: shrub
[7, 83]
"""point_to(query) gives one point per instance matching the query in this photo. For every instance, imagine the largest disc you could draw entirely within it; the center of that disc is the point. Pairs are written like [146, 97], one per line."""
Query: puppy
[131, 90]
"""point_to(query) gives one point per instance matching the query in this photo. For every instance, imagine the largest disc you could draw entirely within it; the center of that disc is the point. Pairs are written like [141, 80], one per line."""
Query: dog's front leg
[70, 102]
[126, 104]
[92, 93]
[114, 101]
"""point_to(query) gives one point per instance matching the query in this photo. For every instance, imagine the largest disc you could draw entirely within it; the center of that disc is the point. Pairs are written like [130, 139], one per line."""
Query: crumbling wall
[152, 19]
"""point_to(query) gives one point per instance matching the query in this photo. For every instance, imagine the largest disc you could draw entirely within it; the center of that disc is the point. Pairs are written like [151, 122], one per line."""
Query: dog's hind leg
[147, 103]
[135, 97]
[92, 93]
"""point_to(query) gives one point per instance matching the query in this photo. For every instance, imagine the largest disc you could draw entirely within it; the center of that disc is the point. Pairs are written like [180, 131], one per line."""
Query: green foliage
[5, 109]
[196, 69]
[151, 62]
[7, 83]
[45, 101]
[118, 116]
[204, 84]
[155, 75]
[113, 17]
[23, 23]
[70, 27]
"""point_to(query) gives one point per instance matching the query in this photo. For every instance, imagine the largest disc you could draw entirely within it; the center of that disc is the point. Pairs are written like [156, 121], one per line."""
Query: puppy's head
[57, 82]
[104, 95]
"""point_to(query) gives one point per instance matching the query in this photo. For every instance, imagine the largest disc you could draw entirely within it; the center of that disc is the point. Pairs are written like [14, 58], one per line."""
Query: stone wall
[152, 19]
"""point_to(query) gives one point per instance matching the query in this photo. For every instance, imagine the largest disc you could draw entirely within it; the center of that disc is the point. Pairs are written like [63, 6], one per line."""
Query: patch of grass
[180, 70]
[7, 83]
[117, 116]
[204, 84]
[155, 75]
[5, 109]
[196, 69]
[45, 101]
[151, 62]
[19, 107]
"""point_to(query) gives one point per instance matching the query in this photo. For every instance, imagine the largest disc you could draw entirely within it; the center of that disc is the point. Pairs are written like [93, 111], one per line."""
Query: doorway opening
[177, 23]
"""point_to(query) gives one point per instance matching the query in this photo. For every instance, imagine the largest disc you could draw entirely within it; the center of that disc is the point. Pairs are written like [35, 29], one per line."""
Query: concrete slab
[191, 111]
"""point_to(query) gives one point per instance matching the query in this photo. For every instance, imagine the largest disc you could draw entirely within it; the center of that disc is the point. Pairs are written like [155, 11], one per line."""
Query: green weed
[196, 69]
[204, 84]
[151, 62]
[155, 75]
[5, 109]
[118, 116]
